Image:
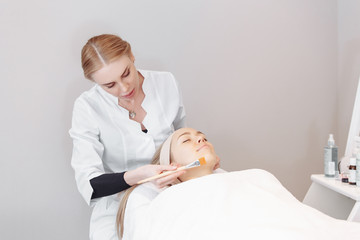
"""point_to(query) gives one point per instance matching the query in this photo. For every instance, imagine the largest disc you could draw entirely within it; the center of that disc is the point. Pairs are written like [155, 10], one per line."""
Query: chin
[210, 158]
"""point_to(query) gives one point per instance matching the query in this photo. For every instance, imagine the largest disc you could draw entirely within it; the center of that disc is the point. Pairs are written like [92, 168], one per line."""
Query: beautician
[117, 126]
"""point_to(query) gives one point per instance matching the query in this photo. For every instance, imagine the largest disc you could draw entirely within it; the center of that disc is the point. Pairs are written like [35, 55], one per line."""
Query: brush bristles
[202, 161]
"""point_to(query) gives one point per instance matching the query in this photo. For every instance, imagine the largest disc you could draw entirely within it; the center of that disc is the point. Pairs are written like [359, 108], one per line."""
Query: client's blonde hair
[121, 212]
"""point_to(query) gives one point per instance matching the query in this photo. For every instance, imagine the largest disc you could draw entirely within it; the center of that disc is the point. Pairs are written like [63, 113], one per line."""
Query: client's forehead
[185, 131]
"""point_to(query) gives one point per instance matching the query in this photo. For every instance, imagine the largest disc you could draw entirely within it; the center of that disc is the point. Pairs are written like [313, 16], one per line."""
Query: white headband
[165, 151]
[165, 154]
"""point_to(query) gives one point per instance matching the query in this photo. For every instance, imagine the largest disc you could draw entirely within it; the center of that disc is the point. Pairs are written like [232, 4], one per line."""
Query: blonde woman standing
[117, 125]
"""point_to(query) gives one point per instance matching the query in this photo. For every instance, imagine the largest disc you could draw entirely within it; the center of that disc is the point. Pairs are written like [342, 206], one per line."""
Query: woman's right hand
[140, 173]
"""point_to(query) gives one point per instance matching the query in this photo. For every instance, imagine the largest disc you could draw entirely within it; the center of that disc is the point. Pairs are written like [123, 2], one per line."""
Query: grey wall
[259, 77]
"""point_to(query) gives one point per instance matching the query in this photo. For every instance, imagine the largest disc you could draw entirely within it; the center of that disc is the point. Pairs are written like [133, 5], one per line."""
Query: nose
[200, 139]
[124, 87]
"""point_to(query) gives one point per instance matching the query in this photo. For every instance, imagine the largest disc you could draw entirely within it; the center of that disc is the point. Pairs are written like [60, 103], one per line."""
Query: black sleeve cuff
[108, 184]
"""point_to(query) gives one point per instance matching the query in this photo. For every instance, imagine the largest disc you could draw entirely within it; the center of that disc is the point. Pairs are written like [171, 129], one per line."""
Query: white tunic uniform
[107, 141]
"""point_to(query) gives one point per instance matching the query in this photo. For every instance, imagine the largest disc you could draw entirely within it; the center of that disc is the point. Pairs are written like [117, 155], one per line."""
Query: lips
[129, 95]
[203, 146]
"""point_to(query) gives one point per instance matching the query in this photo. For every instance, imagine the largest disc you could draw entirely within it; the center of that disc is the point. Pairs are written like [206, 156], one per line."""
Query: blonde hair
[102, 50]
[122, 207]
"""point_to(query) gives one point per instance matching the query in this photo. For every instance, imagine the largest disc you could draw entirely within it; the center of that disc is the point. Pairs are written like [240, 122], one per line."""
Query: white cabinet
[334, 198]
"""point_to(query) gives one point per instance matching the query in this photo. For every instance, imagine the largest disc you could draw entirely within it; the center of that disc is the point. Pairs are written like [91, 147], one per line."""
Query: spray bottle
[330, 157]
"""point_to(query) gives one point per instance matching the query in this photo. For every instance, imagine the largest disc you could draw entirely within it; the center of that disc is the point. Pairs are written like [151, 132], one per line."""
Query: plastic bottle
[352, 171]
[330, 157]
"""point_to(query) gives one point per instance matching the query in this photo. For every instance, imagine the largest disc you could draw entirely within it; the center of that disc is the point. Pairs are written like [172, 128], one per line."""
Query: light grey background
[266, 80]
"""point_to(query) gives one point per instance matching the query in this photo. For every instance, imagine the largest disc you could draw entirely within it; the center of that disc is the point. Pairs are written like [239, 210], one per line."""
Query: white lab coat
[105, 139]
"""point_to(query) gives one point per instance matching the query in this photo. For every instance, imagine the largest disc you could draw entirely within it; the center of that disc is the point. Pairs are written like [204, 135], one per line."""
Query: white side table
[334, 198]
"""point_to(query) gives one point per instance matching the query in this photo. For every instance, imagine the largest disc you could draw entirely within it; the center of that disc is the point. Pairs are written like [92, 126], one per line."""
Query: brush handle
[161, 175]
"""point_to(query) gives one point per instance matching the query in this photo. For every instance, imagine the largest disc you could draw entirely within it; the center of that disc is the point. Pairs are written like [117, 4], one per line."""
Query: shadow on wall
[351, 55]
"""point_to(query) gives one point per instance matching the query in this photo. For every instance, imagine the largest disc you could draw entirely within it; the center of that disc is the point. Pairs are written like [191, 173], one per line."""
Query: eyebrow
[197, 133]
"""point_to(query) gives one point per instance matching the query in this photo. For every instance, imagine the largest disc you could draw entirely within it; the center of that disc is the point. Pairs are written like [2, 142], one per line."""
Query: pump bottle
[330, 158]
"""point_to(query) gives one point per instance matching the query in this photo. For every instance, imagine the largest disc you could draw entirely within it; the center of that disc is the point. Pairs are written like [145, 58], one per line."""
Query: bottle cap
[352, 161]
[331, 141]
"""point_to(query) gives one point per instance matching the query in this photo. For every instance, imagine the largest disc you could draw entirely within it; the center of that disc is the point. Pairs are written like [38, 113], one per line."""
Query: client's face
[187, 146]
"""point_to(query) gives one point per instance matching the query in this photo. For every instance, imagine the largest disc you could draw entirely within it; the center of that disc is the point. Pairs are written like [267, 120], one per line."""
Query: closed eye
[126, 74]
[110, 85]
[187, 140]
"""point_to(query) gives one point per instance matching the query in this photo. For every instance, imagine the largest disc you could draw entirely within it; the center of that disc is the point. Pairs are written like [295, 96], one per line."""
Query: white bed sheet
[250, 204]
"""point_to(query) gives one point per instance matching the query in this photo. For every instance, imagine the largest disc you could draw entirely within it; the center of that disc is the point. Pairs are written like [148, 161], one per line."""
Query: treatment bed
[249, 204]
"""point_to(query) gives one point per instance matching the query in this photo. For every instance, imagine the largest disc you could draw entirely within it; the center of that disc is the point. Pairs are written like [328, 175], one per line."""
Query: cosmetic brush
[197, 163]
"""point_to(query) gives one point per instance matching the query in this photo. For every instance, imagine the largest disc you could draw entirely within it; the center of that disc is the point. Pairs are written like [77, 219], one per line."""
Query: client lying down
[250, 204]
